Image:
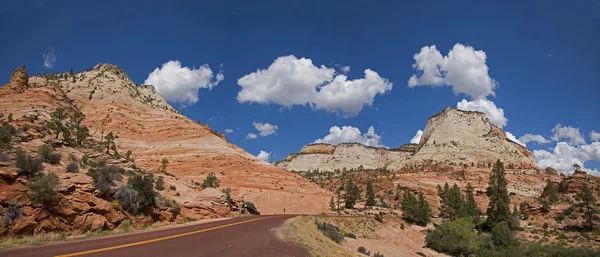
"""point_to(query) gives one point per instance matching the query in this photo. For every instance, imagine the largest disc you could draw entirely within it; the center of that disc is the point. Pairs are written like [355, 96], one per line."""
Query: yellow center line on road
[157, 239]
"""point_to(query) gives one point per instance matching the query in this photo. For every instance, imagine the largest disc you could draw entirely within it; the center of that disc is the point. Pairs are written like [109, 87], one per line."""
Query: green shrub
[126, 225]
[103, 178]
[44, 151]
[330, 231]
[227, 192]
[363, 250]
[25, 127]
[377, 254]
[350, 235]
[54, 158]
[379, 217]
[160, 184]
[560, 217]
[211, 181]
[12, 213]
[72, 167]
[172, 187]
[28, 166]
[144, 185]
[43, 188]
[84, 160]
[453, 237]
[129, 199]
[6, 133]
[251, 208]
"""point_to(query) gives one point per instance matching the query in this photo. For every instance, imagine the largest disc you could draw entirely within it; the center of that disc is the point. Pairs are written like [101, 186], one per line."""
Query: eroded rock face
[19, 80]
[469, 137]
[20, 77]
[327, 157]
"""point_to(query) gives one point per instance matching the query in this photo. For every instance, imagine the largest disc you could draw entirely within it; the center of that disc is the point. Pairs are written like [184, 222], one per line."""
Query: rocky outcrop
[327, 157]
[469, 137]
[19, 80]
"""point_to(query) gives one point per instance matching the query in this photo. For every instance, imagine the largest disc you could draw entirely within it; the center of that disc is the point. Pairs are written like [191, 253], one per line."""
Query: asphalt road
[246, 236]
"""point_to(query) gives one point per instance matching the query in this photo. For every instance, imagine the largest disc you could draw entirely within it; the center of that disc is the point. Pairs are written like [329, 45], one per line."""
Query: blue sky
[543, 56]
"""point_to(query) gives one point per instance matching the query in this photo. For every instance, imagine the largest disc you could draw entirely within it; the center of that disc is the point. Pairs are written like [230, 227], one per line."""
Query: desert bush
[172, 187]
[12, 213]
[44, 151]
[453, 237]
[379, 217]
[144, 185]
[166, 203]
[211, 181]
[129, 199]
[72, 167]
[160, 184]
[252, 208]
[330, 231]
[84, 160]
[43, 188]
[126, 225]
[103, 178]
[28, 165]
[6, 133]
[350, 235]
[227, 192]
[54, 158]
[377, 254]
[363, 250]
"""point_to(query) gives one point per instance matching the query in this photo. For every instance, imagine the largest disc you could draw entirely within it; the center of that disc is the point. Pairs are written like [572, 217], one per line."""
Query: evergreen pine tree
[409, 202]
[423, 211]
[332, 204]
[471, 208]
[498, 209]
[370, 194]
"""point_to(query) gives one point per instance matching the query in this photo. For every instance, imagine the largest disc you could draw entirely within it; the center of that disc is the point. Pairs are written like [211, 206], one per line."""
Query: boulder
[91, 221]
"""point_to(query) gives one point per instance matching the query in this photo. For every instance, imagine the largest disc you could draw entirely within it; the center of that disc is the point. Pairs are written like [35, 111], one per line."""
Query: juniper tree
[56, 122]
[110, 141]
[587, 203]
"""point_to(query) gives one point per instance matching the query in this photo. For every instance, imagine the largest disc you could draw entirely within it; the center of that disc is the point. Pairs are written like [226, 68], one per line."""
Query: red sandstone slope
[149, 127]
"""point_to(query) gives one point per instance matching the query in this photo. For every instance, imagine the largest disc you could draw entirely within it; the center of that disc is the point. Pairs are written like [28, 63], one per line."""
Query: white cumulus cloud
[265, 129]
[417, 138]
[565, 155]
[533, 138]
[464, 68]
[512, 137]
[49, 58]
[179, 84]
[495, 114]
[290, 81]
[251, 136]
[264, 155]
[228, 130]
[568, 132]
[349, 134]
[595, 136]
